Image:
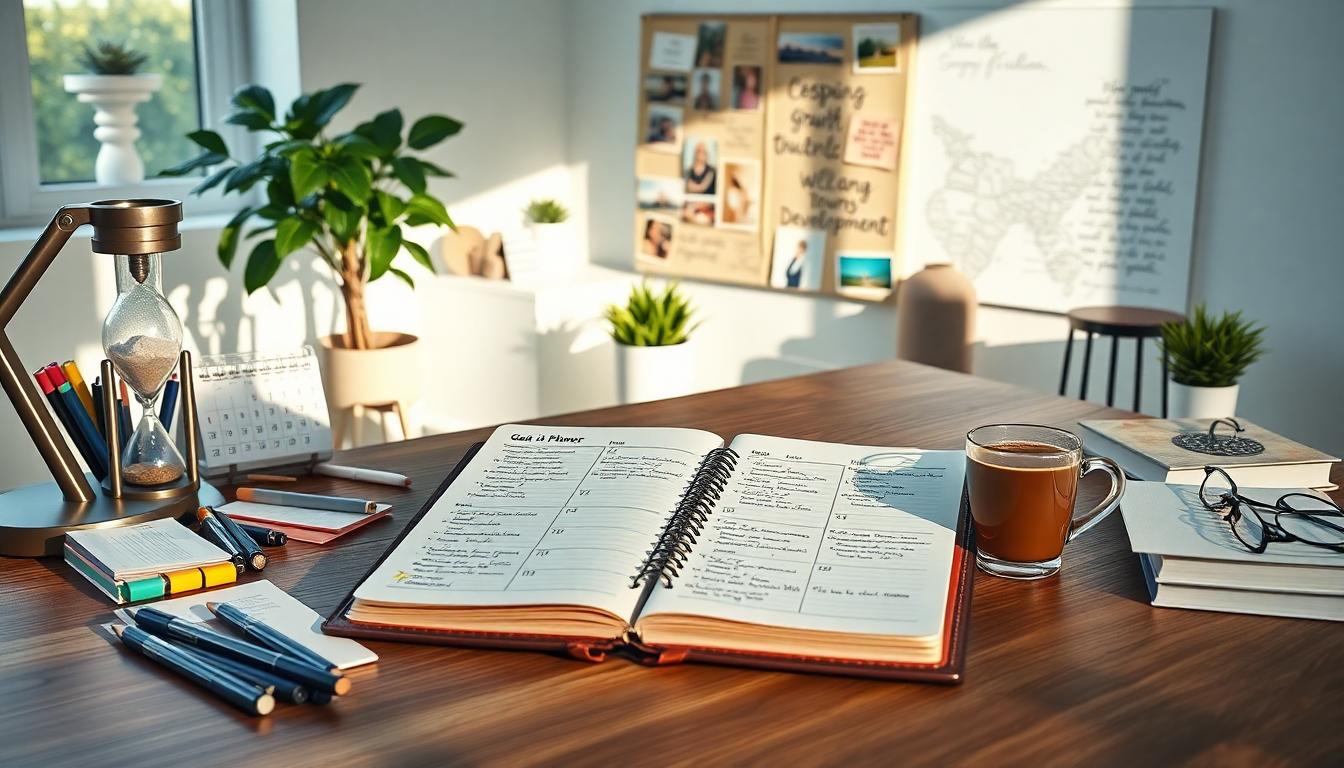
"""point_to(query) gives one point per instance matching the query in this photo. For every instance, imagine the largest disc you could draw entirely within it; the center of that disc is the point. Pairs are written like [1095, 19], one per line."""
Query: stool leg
[382, 422]
[357, 425]
[1138, 370]
[339, 418]
[1110, 375]
[1087, 366]
[1068, 353]
[401, 416]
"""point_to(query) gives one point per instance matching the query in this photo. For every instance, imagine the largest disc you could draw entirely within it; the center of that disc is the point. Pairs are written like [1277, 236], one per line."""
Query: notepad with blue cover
[147, 561]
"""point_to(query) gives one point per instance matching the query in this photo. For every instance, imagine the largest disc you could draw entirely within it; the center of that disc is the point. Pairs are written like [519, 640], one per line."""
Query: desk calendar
[261, 410]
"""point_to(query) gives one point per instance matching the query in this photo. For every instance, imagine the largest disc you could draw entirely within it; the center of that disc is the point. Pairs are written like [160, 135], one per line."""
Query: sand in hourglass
[145, 362]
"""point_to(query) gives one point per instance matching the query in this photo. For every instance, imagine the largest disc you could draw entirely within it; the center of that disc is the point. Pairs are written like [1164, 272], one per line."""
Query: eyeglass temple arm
[18, 385]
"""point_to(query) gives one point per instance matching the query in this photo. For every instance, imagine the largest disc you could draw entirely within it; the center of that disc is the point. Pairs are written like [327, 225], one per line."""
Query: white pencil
[362, 475]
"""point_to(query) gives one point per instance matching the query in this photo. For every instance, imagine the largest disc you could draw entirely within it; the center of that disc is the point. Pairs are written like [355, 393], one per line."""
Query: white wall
[1268, 235]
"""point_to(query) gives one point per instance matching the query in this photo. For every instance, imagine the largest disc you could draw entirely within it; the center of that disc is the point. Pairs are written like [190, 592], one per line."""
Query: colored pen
[263, 536]
[58, 407]
[165, 625]
[211, 530]
[124, 415]
[169, 402]
[81, 389]
[252, 554]
[98, 411]
[258, 631]
[281, 688]
[362, 475]
[239, 693]
[307, 500]
[93, 457]
[97, 447]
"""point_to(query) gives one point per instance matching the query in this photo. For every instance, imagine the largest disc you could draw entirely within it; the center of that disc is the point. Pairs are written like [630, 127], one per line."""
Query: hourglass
[142, 338]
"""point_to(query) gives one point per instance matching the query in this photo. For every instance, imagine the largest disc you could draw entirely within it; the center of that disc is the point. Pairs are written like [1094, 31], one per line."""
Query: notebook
[1144, 448]
[315, 526]
[147, 561]
[272, 605]
[664, 544]
[1193, 561]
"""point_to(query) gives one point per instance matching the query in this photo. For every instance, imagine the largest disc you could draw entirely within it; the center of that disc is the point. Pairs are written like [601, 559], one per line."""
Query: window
[47, 146]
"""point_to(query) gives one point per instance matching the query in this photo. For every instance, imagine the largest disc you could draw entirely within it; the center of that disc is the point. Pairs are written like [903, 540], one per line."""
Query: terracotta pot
[654, 373]
[1187, 402]
[935, 318]
[389, 373]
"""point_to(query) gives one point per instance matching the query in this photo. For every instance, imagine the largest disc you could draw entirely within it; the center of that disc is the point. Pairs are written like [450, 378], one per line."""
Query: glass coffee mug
[1023, 482]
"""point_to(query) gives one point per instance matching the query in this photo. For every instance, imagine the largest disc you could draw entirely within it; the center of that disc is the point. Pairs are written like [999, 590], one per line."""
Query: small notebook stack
[1190, 559]
[1145, 449]
[147, 561]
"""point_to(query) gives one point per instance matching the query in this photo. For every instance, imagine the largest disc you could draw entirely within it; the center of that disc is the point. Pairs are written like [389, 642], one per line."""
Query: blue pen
[169, 403]
[96, 445]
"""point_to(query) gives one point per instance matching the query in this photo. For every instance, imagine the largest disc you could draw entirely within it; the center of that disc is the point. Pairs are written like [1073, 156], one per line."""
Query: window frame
[222, 66]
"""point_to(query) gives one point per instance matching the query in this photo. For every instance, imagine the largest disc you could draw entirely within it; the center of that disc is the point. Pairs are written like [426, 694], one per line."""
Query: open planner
[665, 543]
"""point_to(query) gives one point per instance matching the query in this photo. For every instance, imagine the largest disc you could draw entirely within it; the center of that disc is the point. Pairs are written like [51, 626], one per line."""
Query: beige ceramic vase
[935, 318]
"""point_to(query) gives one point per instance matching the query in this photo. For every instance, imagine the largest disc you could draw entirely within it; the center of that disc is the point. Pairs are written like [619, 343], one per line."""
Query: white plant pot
[114, 98]
[558, 253]
[1187, 402]
[654, 373]
[387, 374]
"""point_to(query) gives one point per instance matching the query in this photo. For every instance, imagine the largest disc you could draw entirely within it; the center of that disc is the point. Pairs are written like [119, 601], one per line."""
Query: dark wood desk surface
[1077, 669]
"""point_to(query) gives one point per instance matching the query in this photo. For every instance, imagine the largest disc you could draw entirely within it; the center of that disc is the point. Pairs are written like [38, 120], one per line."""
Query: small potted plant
[113, 85]
[345, 198]
[652, 335]
[1206, 357]
[552, 233]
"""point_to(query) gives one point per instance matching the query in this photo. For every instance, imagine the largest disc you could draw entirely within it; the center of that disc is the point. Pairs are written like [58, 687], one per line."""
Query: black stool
[1138, 323]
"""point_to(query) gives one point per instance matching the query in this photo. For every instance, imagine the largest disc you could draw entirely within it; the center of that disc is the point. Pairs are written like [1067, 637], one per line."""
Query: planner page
[544, 515]
[824, 537]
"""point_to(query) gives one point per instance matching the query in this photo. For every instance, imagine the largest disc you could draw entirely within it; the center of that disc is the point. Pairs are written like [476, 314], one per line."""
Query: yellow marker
[81, 389]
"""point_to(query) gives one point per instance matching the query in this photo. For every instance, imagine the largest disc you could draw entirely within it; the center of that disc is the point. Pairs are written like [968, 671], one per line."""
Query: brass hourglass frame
[35, 518]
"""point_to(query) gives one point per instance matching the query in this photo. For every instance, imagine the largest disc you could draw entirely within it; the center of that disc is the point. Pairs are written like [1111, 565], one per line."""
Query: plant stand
[114, 98]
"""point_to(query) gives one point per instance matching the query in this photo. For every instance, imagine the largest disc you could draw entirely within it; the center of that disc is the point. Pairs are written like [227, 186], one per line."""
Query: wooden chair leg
[401, 416]
[1068, 353]
[1110, 375]
[1087, 366]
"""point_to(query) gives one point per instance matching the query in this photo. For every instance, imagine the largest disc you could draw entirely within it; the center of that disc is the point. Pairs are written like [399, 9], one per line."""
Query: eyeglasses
[1294, 517]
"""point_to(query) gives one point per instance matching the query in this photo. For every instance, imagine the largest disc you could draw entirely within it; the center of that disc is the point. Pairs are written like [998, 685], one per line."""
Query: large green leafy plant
[345, 197]
[1209, 351]
[651, 319]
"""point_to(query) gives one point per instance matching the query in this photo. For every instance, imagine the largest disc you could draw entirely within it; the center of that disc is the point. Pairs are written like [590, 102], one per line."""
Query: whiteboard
[1055, 155]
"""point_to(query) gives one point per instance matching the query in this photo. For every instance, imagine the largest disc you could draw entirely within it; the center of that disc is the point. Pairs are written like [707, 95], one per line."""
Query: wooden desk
[1076, 669]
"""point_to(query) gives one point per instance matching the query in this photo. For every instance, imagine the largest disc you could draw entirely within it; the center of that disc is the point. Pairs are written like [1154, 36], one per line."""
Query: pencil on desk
[307, 500]
[256, 477]
[239, 693]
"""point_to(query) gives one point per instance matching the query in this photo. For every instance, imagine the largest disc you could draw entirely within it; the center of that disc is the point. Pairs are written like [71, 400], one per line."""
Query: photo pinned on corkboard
[799, 257]
[740, 190]
[663, 89]
[705, 89]
[655, 241]
[700, 165]
[811, 48]
[746, 87]
[709, 41]
[699, 210]
[663, 128]
[864, 274]
[876, 48]
[660, 194]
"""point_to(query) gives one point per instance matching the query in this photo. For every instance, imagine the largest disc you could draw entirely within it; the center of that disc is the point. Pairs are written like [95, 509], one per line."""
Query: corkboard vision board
[769, 149]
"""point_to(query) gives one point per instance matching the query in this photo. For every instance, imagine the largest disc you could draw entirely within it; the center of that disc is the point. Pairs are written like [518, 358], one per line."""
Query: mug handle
[1081, 524]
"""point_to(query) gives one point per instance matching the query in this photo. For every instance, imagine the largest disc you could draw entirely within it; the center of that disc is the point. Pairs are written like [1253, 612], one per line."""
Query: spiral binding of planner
[674, 545]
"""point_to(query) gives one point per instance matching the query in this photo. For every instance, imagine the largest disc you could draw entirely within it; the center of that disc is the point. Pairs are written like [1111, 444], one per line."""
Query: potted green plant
[344, 197]
[553, 234]
[1206, 357]
[652, 334]
[114, 85]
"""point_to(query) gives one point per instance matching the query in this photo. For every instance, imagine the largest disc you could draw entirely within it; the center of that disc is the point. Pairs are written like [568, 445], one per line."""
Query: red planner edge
[948, 670]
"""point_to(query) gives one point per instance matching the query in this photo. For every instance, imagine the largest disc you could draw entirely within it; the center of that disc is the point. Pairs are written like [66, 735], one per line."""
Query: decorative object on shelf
[143, 339]
[347, 198]
[556, 242]
[114, 86]
[652, 333]
[1207, 356]
[935, 318]
[467, 251]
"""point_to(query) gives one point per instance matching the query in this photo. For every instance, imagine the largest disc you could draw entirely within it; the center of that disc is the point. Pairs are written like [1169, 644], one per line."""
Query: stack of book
[1190, 559]
[147, 561]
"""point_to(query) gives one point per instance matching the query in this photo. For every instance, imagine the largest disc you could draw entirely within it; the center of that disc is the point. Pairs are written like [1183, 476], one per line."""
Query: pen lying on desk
[252, 554]
[307, 500]
[239, 693]
[282, 688]
[260, 632]
[166, 625]
[379, 476]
